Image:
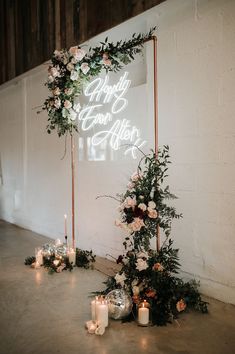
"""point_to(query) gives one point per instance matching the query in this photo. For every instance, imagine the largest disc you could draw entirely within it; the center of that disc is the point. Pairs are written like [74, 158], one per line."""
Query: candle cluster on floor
[57, 257]
[99, 316]
[102, 309]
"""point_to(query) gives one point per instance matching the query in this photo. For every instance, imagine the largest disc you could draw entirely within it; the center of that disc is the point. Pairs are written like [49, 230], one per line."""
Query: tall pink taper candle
[65, 225]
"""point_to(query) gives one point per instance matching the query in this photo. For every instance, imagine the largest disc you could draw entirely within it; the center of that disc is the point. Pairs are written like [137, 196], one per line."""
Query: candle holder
[39, 256]
[144, 314]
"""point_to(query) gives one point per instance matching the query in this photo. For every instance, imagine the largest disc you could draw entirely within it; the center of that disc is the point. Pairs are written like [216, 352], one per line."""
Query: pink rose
[67, 104]
[57, 103]
[68, 91]
[135, 177]
[77, 53]
[106, 60]
[130, 202]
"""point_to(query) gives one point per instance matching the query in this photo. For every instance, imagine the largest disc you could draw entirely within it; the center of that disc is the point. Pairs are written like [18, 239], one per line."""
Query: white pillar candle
[72, 255]
[103, 314]
[143, 315]
[93, 312]
[97, 304]
[39, 257]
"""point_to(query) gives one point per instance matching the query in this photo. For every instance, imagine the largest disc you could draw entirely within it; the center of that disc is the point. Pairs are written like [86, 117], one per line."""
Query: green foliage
[146, 273]
[64, 87]
[84, 259]
[29, 260]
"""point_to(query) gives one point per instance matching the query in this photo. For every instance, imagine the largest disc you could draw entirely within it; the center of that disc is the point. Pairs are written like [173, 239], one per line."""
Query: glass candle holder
[39, 255]
[144, 313]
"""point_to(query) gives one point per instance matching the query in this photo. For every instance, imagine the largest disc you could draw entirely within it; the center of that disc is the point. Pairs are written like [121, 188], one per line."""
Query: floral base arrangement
[148, 275]
[59, 257]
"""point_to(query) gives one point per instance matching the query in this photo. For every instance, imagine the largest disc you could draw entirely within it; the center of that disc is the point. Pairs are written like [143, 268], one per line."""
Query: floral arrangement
[71, 69]
[147, 274]
[55, 263]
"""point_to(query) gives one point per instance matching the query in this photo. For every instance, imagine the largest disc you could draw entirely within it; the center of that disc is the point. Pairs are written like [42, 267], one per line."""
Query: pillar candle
[97, 304]
[143, 315]
[103, 314]
[93, 312]
[72, 255]
[39, 257]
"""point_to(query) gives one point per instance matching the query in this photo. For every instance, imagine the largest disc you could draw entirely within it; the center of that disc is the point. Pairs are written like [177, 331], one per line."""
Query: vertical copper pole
[72, 169]
[154, 38]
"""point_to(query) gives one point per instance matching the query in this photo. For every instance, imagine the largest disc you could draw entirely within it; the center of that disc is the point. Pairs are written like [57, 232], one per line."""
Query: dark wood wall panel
[30, 30]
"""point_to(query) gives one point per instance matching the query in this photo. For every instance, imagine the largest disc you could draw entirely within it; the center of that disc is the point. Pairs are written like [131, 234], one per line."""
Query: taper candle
[65, 225]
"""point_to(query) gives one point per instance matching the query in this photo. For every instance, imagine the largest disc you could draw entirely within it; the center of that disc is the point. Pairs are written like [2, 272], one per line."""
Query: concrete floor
[42, 313]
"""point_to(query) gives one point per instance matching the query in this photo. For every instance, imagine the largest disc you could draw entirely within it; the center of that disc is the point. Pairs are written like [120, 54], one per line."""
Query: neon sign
[121, 132]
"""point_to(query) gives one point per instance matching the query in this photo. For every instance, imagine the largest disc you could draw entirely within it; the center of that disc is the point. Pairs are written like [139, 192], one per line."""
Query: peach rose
[135, 299]
[77, 53]
[70, 67]
[152, 213]
[137, 224]
[56, 91]
[181, 305]
[150, 293]
[158, 267]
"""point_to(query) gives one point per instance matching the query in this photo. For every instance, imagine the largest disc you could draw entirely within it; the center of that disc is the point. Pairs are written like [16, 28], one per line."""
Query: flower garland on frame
[145, 273]
[71, 69]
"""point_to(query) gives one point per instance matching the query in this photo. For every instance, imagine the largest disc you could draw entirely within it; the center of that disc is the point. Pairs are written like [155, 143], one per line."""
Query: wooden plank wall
[30, 30]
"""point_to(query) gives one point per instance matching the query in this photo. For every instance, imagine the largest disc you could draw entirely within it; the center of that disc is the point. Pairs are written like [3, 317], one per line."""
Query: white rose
[142, 206]
[67, 104]
[142, 254]
[77, 107]
[70, 66]
[85, 68]
[136, 290]
[65, 112]
[50, 79]
[151, 205]
[120, 278]
[57, 103]
[72, 114]
[74, 75]
[141, 264]
[54, 72]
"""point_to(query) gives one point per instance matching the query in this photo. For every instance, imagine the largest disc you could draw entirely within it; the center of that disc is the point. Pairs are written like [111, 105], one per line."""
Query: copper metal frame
[155, 92]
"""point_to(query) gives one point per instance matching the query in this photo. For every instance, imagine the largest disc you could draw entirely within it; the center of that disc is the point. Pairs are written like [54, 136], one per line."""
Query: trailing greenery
[146, 273]
[57, 264]
[71, 69]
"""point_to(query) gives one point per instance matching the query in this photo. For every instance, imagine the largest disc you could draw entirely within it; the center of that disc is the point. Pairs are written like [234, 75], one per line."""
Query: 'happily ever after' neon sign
[121, 131]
